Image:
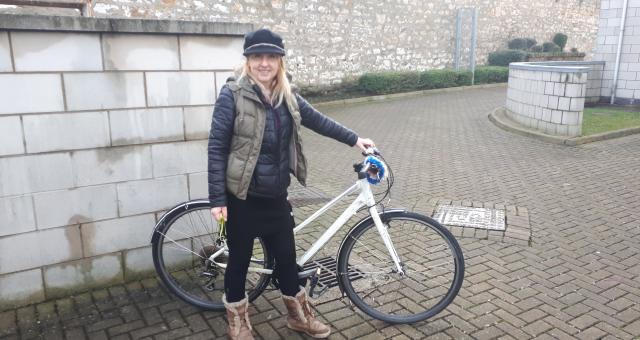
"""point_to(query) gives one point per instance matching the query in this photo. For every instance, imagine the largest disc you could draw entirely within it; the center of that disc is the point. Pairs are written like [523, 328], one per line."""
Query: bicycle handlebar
[371, 151]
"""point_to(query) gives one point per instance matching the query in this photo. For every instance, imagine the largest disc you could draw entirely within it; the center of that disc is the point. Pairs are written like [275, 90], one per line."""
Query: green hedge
[505, 57]
[550, 47]
[491, 74]
[389, 82]
[395, 82]
[521, 43]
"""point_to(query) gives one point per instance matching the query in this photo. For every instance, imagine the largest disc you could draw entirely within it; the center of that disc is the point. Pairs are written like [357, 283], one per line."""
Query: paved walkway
[580, 278]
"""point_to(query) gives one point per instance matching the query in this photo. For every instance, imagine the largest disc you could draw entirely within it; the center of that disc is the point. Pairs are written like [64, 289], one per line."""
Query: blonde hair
[281, 90]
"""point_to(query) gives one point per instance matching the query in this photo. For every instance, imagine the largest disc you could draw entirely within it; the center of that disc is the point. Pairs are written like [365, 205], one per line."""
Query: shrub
[550, 47]
[464, 78]
[389, 82]
[530, 42]
[521, 43]
[517, 44]
[394, 82]
[491, 74]
[435, 79]
[574, 50]
[504, 57]
[560, 40]
[536, 48]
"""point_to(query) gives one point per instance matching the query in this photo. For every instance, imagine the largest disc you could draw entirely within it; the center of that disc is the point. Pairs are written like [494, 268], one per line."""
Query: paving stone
[633, 328]
[148, 331]
[488, 333]
[174, 334]
[104, 324]
[537, 328]
[125, 328]
[120, 337]
[196, 323]
[99, 335]
[266, 331]
[512, 330]
[8, 324]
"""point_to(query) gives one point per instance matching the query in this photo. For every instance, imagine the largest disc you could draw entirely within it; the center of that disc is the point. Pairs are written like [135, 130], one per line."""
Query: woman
[254, 145]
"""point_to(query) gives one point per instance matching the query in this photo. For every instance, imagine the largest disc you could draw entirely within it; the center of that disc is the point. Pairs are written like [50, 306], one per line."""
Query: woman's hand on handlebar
[365, 143]
[219, 212]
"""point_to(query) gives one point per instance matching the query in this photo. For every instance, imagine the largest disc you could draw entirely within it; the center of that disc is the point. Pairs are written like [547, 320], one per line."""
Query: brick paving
[578, 277]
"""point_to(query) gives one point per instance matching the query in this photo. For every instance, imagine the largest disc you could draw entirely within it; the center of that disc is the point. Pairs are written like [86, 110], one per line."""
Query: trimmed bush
[574, 50]
[560, 39]
[521, 43]
[491, 74]
[530, 42]
[550, 47]
[536, 48]
[464, 78]
[517, 44]
[505, 57]
[435, 79]
[389, 82]
[395, 82]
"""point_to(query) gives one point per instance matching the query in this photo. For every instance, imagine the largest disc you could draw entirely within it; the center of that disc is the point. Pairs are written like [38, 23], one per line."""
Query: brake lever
[371, 151]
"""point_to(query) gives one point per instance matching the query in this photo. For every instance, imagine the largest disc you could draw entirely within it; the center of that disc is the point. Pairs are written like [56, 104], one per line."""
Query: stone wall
[101, 128]
[549, 97]
[628, 87]
[331, 40]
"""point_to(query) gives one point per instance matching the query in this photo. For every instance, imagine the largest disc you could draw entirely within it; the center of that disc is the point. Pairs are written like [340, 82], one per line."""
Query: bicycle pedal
[313, 282]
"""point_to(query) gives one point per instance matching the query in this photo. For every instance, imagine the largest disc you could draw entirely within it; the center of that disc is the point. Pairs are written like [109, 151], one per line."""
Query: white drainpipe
[614, 85]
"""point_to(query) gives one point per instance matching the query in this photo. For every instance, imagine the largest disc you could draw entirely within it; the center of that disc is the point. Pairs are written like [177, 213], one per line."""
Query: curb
[500, 119]
[384, 97]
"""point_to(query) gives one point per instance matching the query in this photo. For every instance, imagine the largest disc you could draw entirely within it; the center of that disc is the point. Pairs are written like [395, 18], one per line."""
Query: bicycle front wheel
[181, 246]
[430, 257]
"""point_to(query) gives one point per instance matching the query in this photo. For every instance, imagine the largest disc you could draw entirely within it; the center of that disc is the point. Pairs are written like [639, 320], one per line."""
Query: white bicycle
[396, 266]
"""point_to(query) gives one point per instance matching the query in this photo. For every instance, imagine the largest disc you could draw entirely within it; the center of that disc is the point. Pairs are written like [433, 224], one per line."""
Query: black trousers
[272, 220]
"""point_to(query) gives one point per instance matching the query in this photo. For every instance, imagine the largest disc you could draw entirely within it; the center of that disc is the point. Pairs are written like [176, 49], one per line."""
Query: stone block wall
[548, 98]
[334, 39]
[628, 86]
[100, 131]
[594, 75]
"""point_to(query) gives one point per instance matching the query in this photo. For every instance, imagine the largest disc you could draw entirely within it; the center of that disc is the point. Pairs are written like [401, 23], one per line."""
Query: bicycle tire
[416, 300]
[173, 270]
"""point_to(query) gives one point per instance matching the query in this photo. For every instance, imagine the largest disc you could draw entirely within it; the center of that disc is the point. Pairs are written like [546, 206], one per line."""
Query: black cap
[263, 41]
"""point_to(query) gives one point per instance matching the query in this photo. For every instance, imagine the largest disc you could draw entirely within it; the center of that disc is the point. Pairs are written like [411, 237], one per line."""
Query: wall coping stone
[556, 66]
[120, 25]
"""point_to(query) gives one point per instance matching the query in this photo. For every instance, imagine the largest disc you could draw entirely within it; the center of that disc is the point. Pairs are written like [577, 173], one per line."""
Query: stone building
[606, 49]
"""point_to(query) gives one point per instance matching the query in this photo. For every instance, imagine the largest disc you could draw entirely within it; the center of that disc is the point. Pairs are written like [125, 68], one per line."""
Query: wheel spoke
[431, 260]
[181, 251]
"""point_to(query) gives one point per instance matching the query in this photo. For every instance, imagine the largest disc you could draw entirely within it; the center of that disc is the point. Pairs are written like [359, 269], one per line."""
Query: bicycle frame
[365, 198]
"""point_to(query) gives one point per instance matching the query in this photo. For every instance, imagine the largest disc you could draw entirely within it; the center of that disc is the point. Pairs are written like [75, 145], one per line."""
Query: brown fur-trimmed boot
[301, 317]
[238, 317]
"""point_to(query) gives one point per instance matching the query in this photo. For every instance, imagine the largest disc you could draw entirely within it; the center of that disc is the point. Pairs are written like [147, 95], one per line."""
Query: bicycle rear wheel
[430, 257]
[181, 245]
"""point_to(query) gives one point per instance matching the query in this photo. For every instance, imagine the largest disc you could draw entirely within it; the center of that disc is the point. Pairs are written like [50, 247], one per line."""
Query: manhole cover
[480, 218]
[328, 276]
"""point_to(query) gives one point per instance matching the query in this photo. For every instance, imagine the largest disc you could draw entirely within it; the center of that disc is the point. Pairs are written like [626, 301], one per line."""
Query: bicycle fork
[382, 230]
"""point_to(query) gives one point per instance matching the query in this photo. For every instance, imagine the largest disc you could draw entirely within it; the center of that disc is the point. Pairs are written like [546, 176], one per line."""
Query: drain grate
[480, 218]
[328, 277]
